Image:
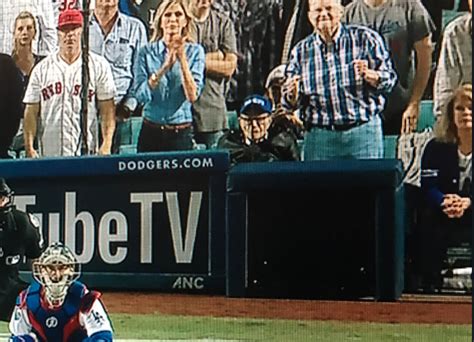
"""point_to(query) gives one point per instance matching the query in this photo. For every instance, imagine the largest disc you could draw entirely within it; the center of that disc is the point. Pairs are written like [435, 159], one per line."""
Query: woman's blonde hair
[20, 16]
[189, 30]
[445, 129]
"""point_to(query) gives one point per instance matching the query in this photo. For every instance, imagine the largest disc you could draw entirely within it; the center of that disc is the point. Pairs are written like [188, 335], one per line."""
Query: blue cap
[259, 104]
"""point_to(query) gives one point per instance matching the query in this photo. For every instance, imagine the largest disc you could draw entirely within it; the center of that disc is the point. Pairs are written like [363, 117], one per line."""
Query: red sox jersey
[56, 86]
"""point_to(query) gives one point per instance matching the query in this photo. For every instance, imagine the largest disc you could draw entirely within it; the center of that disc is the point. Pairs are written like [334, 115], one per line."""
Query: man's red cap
[71, 17]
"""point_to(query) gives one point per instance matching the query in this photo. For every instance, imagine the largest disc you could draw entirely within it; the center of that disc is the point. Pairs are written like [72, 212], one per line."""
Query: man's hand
[215, 56]
[104, 150]
[410, 118]
[31, 153]
[362, 70]
[290, 90]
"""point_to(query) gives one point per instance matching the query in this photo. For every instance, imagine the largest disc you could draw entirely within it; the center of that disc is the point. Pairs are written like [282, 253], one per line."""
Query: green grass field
[178, 327]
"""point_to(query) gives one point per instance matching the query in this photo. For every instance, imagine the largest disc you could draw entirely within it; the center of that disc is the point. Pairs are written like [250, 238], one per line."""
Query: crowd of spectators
[309, 80]
[355, 70]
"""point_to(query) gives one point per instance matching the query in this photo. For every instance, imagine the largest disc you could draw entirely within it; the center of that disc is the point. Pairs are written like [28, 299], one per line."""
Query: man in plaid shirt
[339, 77]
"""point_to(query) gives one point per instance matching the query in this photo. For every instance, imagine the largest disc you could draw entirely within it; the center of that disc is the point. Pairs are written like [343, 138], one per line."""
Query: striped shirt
[330, 93]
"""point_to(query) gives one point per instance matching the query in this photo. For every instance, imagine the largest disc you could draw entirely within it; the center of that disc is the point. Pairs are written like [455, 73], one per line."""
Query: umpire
[20, 237]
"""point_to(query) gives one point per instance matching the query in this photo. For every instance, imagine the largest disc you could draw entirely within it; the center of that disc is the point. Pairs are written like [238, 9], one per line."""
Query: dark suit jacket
[440, 172]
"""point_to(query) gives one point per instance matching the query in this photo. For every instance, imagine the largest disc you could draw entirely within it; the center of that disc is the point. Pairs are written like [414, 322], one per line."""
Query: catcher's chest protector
[60, 324]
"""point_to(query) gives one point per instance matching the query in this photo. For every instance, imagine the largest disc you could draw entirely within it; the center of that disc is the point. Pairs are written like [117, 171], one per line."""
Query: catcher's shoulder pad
[21, 299]
[88, 300]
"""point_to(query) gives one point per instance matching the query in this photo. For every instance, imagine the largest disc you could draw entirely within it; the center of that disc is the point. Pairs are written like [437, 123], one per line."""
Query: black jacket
[278, 147]
[11, 107]
[20, 237]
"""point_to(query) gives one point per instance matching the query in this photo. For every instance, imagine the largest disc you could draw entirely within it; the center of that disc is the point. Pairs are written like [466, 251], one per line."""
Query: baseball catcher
[56, 307]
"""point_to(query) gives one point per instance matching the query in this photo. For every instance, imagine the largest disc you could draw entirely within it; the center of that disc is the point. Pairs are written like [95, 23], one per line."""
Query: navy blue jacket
[440, 172]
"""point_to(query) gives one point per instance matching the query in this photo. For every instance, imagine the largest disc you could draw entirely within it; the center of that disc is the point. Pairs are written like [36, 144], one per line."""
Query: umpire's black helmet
[4, 188]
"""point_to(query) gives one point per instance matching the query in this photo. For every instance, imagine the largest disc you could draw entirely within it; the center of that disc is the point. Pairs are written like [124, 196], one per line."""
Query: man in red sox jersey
[53, 96]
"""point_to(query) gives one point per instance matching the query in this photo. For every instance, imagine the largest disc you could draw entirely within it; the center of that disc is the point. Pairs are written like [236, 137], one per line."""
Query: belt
[168, 127]
[343, 127]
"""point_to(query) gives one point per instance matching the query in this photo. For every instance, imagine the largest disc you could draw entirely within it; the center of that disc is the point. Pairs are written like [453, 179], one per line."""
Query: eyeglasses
[259, 120]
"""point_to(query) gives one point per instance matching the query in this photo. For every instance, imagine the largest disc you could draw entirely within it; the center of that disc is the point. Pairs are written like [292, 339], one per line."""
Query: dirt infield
[448, 310]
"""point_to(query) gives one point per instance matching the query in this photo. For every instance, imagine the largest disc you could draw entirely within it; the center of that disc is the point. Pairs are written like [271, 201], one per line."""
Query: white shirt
[465, 168]
[56, 86]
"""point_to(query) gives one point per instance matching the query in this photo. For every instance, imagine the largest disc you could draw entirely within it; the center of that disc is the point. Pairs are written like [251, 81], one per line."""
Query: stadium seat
[128, 149]
[426, 119]
[300, 143]
[390, 146]
[448, 16]
[232, 120]
[136, 123]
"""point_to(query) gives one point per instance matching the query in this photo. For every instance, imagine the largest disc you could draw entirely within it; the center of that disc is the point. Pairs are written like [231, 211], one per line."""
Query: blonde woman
[169, 76]
[24, 32]
[446, 176]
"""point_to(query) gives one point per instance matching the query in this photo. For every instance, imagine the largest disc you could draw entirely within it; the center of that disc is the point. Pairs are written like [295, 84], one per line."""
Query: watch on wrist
[154, 78]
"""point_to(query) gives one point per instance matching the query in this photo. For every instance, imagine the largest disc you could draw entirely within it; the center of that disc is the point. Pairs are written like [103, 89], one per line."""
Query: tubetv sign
[98, 235]
[156, 216]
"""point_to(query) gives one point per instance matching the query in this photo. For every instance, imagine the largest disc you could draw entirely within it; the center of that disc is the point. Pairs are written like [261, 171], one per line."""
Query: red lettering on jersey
[77, 89]
[44, 92]
[91, 95]
[58, 88]
[50, 89]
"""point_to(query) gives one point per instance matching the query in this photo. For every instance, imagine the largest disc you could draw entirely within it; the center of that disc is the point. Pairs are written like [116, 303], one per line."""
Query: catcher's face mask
[55, 270]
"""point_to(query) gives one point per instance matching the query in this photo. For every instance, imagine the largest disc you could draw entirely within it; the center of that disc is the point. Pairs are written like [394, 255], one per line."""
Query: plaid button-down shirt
[330, 93]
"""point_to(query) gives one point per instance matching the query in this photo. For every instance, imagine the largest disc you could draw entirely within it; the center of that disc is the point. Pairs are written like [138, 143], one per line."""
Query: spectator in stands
[23, 36]
[296, 24]
[216, 34]
[53, 98]
[455, 61]
[406, 27]
[282, 118]
[253, 142]
[25, 60]
[11, 90]
[446, 176]
[169, 76]
[130, 7]
[118, 37]
[339, 77]
[43, 11]
[145, 10]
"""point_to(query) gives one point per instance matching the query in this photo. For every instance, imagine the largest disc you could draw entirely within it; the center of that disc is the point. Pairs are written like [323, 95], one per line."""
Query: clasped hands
[454, 205]
[176, 52]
